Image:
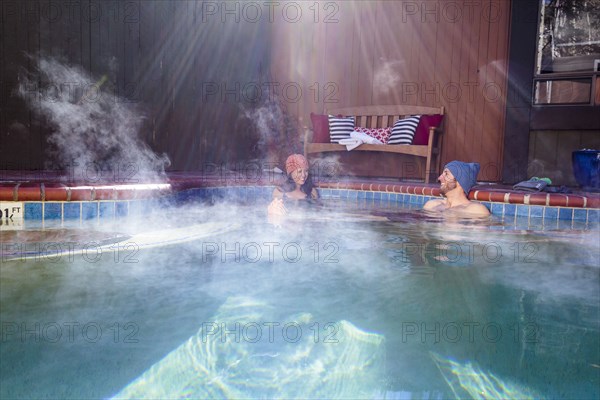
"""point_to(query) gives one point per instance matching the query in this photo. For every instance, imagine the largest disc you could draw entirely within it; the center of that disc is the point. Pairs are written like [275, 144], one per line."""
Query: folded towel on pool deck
[534, 184]
[557, 189]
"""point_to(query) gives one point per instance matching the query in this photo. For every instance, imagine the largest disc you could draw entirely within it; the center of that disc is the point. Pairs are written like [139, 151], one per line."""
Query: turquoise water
[364, 303]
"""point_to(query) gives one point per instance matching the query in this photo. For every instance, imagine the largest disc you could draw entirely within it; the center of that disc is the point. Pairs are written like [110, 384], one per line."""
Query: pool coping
[28, 191]
[115, 198]
[51, 186]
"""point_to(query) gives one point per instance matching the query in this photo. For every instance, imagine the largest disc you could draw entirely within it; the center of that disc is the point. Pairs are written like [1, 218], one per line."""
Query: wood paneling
[429, 53]
[20, 132]
[191, 71]
[183, 69]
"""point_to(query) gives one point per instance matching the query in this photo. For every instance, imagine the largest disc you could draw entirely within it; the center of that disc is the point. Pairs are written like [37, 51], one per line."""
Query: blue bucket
[586, 168]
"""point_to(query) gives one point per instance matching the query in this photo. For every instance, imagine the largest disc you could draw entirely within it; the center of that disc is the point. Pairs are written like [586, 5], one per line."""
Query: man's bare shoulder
[432, 204]
[476, 209]
[471, 209]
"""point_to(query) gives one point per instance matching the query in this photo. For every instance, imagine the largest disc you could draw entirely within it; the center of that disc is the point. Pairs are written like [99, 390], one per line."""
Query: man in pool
[456, 181]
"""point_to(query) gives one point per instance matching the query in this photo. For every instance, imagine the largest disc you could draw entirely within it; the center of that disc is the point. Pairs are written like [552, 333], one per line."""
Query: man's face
[447, 181]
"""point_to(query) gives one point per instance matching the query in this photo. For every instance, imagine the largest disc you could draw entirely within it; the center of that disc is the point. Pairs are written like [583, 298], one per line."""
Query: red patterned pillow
[381, 134]
[422, 133]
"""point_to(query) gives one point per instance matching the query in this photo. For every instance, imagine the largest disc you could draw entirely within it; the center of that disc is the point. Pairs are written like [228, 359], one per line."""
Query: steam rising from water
[94, 131]
[280, 136]
[387, 75]
[276, 131]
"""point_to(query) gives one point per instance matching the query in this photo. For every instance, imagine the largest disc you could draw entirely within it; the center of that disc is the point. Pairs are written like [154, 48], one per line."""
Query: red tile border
[328, 185]
[81, 193]
[576, 201]
[129, 194]
[55, 192]
[7, 192]
[516, 198]
[497, 197]
[538, 199]
[104, 193]
[482, 196]
[139, 191]
[29, 192]
[53, 188]
[558, 200]
[593, 202]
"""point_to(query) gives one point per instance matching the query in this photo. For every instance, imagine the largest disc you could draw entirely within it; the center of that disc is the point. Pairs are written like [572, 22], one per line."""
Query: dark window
[568, 52]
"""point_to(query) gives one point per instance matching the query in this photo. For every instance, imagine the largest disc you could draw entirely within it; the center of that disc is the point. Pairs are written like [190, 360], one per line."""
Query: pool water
[344, 301]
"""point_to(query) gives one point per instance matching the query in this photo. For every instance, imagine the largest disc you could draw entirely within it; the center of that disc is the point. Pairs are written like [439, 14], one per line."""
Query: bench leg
[438, 160]
[428, 168]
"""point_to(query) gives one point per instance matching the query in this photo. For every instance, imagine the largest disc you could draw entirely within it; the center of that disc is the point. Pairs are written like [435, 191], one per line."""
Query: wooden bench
[382, 117]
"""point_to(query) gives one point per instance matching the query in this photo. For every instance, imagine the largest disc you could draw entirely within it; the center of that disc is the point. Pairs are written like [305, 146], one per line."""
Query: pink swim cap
[294, 162]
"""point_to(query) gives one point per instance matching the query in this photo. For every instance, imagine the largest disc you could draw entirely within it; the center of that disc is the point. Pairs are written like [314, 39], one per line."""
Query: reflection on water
[224, 360]
[506, 312]
[48, 245]
[468, 381]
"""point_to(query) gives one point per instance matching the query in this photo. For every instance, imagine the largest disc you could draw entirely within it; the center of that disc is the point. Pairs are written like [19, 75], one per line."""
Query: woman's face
[299, 176]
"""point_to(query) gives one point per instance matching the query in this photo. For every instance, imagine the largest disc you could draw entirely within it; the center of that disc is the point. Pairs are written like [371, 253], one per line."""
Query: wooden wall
[173, 60]
[169, 57]
[403, 52]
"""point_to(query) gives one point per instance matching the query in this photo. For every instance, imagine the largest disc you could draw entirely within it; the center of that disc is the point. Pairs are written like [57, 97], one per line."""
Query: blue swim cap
[465, 174]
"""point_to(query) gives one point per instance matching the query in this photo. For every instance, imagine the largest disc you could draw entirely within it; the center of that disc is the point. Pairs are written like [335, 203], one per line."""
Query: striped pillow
[404, 130]
[340, 128]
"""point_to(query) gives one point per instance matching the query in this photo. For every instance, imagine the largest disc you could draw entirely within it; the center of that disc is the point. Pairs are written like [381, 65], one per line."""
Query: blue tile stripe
[84, 210]
[507, 211]
[510, 213]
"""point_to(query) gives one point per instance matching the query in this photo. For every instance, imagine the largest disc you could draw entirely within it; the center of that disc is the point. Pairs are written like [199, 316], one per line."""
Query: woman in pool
[299, 186]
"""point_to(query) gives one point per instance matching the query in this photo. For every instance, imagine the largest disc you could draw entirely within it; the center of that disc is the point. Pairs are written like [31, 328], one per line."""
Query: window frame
[538, 77]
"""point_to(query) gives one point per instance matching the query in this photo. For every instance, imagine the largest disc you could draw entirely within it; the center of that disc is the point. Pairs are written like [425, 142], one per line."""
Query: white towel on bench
[351, 144]
[358, 138]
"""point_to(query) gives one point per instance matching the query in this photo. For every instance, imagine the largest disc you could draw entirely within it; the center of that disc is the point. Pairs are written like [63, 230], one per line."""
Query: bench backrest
[382, 116]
